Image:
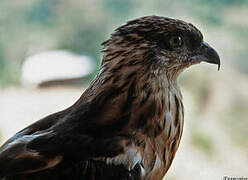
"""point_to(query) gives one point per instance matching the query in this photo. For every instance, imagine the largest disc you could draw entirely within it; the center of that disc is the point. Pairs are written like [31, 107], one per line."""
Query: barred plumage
[129, 121]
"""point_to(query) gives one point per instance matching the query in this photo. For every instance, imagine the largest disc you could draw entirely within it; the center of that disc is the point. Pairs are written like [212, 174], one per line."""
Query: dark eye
[175, 41]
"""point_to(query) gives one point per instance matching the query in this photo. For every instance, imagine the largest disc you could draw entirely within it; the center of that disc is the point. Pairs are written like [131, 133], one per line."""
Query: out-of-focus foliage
[212, 10]
[29, 27]
[236, 123]
[203, 142]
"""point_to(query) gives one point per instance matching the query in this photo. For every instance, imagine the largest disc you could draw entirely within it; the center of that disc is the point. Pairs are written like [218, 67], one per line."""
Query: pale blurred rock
[56, 68]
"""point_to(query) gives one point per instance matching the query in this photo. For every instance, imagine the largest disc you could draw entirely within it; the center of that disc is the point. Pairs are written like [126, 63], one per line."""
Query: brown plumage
[129, 121]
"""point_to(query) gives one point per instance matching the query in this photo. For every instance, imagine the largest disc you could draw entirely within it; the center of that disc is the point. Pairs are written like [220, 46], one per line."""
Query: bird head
[159, 44]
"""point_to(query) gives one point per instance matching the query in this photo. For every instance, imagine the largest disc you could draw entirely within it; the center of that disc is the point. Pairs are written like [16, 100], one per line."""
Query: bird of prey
[129, 121]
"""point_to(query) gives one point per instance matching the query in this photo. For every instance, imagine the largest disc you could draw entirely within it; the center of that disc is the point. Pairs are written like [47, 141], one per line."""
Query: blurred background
[50, 50]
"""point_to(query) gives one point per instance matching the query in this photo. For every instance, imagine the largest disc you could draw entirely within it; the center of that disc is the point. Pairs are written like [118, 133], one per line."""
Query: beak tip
[219, 67]
[218, 61]
[210, 55]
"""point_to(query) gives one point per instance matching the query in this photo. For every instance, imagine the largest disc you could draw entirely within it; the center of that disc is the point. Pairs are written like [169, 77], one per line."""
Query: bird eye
[176, 41]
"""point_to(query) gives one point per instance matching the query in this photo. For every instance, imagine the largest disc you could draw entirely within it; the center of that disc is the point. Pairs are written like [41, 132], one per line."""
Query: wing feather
[85, 131]
[16, 157]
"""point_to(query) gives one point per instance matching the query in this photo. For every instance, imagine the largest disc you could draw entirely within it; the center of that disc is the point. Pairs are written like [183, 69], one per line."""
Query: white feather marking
[129, 159]
[158, 163]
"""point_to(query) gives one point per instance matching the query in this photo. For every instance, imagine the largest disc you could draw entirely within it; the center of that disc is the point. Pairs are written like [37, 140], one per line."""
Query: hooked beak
[207, 54]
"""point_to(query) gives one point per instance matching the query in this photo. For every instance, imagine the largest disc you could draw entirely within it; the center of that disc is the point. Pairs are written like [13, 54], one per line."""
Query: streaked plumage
[128, 123]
